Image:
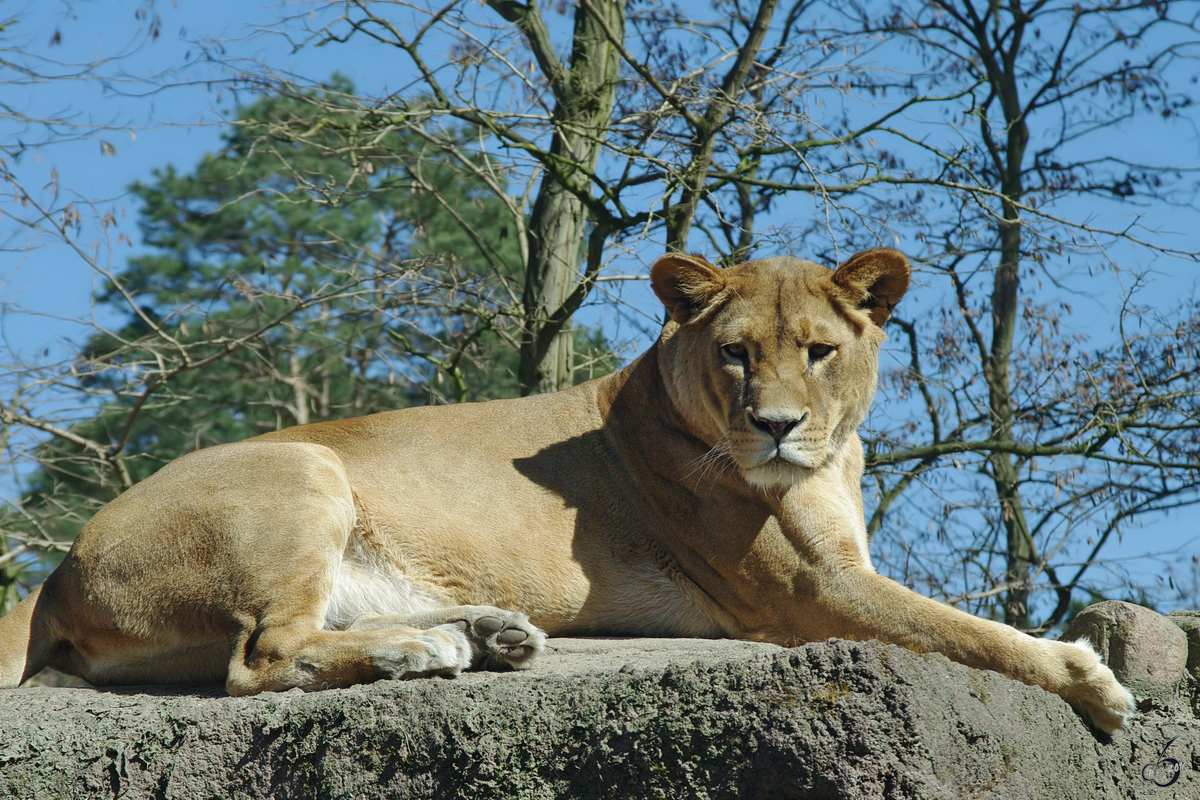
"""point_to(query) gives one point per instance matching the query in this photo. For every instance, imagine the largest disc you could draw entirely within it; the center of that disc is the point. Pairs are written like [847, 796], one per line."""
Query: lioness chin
[710, 488]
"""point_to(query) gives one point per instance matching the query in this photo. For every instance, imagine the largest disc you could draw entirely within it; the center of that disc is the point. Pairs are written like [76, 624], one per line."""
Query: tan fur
[710, 488]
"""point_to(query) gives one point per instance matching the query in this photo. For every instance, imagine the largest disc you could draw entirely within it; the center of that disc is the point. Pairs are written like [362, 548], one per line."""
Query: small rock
[1189, 623]
[1146, 651]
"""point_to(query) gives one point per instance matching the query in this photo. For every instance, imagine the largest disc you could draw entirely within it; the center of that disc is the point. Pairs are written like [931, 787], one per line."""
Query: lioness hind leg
[499, 639]
[276, 659]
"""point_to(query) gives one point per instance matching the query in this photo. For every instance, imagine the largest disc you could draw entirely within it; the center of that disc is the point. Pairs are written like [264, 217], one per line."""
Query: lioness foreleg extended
[859, 604]
[837, 593]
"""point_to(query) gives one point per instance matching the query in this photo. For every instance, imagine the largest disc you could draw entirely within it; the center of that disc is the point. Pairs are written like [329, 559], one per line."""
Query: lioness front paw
[1093, 690]
[500, 639]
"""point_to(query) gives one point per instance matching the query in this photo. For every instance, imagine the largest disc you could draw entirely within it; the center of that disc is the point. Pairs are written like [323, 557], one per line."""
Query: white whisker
[716, 458]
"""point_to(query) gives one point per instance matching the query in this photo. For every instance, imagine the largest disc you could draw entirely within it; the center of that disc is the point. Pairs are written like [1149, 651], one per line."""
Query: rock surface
[601, 718]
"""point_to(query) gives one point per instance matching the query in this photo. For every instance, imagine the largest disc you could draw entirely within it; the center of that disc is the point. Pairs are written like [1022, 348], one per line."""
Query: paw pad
[502, 639]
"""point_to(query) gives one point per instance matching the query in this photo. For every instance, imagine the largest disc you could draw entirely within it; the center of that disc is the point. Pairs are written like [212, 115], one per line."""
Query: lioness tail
[22, 651]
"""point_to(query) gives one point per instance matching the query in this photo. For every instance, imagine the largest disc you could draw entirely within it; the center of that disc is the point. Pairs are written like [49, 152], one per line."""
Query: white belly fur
[363, 585]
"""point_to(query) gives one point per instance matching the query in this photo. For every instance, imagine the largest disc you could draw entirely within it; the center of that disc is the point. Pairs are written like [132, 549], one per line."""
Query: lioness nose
[777, 426]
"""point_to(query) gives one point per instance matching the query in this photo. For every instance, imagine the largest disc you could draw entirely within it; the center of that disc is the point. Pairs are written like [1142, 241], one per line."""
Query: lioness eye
[818, 351]
[734, 350]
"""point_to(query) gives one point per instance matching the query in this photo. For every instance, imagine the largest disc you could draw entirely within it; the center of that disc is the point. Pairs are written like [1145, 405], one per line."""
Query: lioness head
[774, 362]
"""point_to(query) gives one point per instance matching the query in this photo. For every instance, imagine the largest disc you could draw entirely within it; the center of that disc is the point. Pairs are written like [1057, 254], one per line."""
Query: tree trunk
[1005, 472]
[1005, 301]
[584, 98]
[556, 232]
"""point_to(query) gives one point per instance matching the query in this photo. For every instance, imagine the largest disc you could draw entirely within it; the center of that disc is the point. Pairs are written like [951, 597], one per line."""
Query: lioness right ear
[685, 284]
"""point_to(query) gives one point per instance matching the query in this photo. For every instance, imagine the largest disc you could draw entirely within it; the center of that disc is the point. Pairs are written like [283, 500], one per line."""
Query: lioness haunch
[710, 488]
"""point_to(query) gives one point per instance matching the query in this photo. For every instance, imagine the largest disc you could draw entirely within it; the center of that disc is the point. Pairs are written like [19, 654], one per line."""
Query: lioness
[710, 488]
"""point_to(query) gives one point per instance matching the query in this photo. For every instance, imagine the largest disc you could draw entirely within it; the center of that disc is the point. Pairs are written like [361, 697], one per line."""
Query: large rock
[1189, 623]
[1146, 651]
[603, 719]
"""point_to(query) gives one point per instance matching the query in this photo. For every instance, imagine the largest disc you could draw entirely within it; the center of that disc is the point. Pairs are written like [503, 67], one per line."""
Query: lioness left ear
[874, 280]
[685, 284]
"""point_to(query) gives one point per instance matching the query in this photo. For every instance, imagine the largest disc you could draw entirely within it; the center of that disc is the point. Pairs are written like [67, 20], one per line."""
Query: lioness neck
[643, 419]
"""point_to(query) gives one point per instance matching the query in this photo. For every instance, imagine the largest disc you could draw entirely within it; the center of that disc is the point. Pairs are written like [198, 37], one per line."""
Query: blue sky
[46, 289]
[175, 126]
